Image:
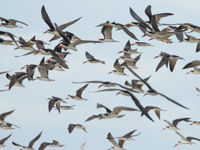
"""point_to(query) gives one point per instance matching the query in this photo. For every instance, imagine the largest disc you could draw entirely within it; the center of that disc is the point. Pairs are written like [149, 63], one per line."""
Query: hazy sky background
[30, 104]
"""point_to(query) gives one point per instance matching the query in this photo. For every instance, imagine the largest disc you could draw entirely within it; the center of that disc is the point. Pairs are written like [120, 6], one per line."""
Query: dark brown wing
[63, 26]
[164, 61]
[65, 38]
[194, 63]
[4, 115]
[192, 138]
[129, 134]
[128, 45]
[79, 91]
[22, 41]
[172, 63]
[44, 145]
[71, 127]
[46, 18]
[175, 122]
[89, 56]
[129, 33]
[92, 117]
[198, 47]
[17, 144]
[102, 106]
[2, 141]
[107, 32]
[51, 104]
[34, 140]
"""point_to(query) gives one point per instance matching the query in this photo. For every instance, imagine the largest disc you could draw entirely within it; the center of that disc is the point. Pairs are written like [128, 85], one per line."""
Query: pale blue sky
[31, 106]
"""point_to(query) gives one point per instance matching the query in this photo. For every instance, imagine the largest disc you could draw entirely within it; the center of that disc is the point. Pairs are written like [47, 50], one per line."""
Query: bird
[16, 79]
[119, 69]
[132, 63]
[78, 95]
[116, 146]
[71, 127]
[127, 49]
[52, 29]
[142, 44]
[111, 113]
[185, 140]
[2, 141]
[30, 70]
[92, 59]
[173, 125]
[8, 126]
[106, 30]
[31, 143]
[129, 136]
[55, 101]
[102, 83]
[192, 64]
[195, 123]
[67, 44]
[43, 70]
[157, 110]
[10, 23]
[25, 45]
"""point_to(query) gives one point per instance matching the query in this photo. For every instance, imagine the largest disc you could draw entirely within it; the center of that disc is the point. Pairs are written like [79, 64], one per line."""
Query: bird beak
[39, 51]
[187, 72]
[163, 128]
[121, 51]
[85, 62]
[17, 47]
[100, 86]
[176, 145]
[145, 94]
[60, 45]
[23, 67]
[133, 44]
[188, 27]
[110, 72]
[68, 98]
[29, 42]
[35, 79]
[46, 31]
[118, 93]
[152, 38]
[157, 56]
[109, 25]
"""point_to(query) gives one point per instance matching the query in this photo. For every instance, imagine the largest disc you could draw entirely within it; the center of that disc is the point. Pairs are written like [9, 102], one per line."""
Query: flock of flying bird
[69, 41]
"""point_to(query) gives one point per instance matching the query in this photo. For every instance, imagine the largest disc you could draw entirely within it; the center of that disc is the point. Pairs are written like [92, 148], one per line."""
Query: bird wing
[169, 123]
[176, 121]
[161, 15]
[117, 110]
[117, 65]
[107, 32]
[194, 63]
[128, 32]
[102, 106]
[63, 26]
[192, 138]
[58, 107]
[80, 91]
[198, 47]
[182, 137]
[59, 60]
[22, 41]
[128, 45]
[17, 144]
[164, 61]
[44, 145]
[34, 140]
[129, 134]
[3, 19]
[197, 89]
[112, 140]
[61, 33]
[71, 127]
[51, 104]
[92, 117]
[172, 63]
[46, 18]
[89, 56]
[13, 21]
[2, 141]
[4, 115]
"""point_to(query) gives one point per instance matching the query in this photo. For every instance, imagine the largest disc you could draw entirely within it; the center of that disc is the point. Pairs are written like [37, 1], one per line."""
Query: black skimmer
[173, 125]
[55, 101]
[102, 83]
[132, 63]
[67, 44]
[55, 143]
[111, 113]
[116, 146]
[30, 70]
[10, 23]
[195, 123]
[157, 110]
[8, 126]
[31, 143]
[124, 28]
[119, 69]
[185, 140]
[25, 45]
[43, 70]
[127, 49]
[16, 79]
[52, 29]
[2, 141]
[153, 91]
[92, 59]
[78, 95]
[71, 127]
[107, 32]
[6, 42]
[167, 58]
[128, 136]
